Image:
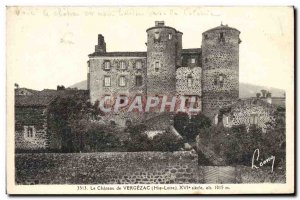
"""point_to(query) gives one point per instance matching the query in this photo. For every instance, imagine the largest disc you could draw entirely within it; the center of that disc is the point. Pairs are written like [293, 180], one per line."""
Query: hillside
[246, 89]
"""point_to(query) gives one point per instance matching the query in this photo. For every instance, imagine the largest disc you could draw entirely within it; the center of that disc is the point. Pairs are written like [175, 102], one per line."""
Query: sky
[46, 47]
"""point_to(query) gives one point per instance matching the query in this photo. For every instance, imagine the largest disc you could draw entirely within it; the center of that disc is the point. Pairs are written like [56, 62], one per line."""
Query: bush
[181, 121]
[166, 142]
[139, 141]
[189, 128]
[237, 146]
[101, 138]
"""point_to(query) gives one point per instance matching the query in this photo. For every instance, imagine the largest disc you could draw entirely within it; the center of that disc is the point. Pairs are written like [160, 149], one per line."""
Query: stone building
[210, 74]
[33, 118]
[252, 111]
[31, 122]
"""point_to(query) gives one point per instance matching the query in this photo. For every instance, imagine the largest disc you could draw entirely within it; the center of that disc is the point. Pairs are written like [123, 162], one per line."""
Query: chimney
[269, 97]
[101, 47]
[159, 23]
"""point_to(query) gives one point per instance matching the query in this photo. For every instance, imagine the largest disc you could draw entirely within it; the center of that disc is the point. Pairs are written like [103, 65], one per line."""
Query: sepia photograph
[150, 100]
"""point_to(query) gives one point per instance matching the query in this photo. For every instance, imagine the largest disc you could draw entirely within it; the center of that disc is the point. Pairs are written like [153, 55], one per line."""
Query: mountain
[249, 90]
[82, 85]
[246, 90]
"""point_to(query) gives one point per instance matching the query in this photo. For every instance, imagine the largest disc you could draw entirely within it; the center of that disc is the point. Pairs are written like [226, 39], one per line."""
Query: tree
[181, 121]
[190, 128]
[258, 95]
[197, 124]
[166, 142]
[138, 140]
[200, 121]
[264, 92]
[99, 138]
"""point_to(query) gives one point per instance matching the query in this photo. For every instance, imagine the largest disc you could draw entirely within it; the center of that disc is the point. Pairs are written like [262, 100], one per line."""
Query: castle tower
[164, 45]
[220, 64]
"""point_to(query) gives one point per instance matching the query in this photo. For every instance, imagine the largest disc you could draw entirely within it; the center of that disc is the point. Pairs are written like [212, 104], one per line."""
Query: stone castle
[210, 73]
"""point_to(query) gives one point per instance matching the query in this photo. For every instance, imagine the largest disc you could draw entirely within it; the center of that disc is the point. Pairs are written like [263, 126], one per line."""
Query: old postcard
[150, 100]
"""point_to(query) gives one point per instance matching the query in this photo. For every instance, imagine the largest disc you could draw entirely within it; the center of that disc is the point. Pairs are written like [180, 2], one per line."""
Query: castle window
[187, 101]
[106, 65]
[156, 37]
[29, 132]
[221, 80]
[193, 60]
[205, 36]
[170, 36]
[226, 120]
[138, 65]
[107, 81]
[107, 100]
[112, 123]
[122, 81]
[221, 38]
[138, 80]
[253, 119]
[156, 68]
[216, 81]
[122, 65]
[190, 81]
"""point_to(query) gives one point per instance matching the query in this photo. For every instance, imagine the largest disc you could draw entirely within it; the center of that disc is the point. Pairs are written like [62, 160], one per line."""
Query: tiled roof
[29, 90]
[121, 54]
[33, 100]
[46, 96]
[64, 93]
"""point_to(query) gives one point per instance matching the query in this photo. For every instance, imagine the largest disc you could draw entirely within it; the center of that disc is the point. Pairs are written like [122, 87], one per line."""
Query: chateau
[210, 73]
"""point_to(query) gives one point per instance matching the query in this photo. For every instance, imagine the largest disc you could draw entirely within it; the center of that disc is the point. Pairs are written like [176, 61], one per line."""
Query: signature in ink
[256, 163]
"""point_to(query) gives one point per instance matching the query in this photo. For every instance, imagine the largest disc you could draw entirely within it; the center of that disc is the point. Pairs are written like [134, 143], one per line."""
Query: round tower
[163, 56]
[220, 65]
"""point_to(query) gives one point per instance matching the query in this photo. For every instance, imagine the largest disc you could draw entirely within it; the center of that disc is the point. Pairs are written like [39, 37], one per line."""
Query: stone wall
[133, 168]
[35, 117]
[107, 168]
